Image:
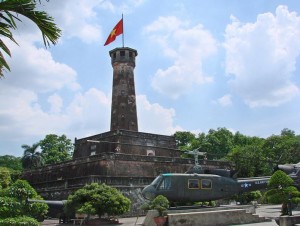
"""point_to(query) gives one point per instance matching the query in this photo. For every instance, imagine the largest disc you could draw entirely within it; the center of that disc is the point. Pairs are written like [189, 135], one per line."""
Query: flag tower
[123, 106]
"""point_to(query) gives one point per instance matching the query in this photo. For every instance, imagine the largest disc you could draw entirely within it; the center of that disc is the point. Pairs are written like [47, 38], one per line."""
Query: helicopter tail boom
[252, 184]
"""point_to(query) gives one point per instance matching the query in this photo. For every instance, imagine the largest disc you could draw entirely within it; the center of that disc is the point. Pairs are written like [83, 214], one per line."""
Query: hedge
[19, 221]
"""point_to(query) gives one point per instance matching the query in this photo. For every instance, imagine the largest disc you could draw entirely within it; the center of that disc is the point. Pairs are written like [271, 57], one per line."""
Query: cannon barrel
[288, 169]
[56, 207]
[49, 202]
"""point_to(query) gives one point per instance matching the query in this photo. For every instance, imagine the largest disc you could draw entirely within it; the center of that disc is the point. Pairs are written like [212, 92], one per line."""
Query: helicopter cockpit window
[165, 184]
[193, 183]
[156, 182]
[206, 184]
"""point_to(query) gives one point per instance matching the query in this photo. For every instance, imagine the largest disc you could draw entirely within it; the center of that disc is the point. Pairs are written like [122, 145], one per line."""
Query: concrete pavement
[269, 211]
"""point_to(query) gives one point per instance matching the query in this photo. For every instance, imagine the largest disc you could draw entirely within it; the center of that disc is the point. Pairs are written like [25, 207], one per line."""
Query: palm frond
[9, 12]
[4, 47]
[10, 21]
[3, 64]
[50, 31]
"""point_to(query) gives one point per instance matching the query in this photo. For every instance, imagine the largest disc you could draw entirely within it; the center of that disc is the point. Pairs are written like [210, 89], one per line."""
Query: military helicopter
[200, 187]
[206, 185]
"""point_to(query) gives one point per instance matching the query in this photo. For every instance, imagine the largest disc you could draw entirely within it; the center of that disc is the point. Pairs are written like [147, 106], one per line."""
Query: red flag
[118, 29]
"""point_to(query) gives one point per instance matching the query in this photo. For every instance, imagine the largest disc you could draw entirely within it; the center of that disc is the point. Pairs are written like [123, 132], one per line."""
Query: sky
[201, 65]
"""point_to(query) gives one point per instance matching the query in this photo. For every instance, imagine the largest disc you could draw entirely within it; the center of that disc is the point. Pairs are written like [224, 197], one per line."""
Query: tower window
[130, 54]
[114, 55]
[150, 153]
[122, 53]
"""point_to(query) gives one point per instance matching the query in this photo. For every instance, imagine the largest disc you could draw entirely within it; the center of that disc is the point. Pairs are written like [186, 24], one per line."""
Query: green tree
[184, 140]
[284, 148]
[247, 197]
[56, 148]
[5, 178]
[11, 162]
[161, 204]
[220, 142]
[287, 132]
[10, 11]
[246, 151]
[99, 199]
[280, 188]
[14, 202]
[31, 158]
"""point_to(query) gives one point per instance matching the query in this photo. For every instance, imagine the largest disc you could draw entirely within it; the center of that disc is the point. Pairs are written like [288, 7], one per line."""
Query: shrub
[9, 207]
[281, 189]
[97, 199]
[19, 221]
[247, 197]
[160, 203]
[13, 202]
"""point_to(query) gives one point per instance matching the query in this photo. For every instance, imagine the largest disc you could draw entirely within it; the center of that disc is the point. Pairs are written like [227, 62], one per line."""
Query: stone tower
[123, 106]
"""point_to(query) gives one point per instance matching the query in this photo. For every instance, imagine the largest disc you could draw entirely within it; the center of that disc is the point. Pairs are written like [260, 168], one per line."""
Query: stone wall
[126, 142]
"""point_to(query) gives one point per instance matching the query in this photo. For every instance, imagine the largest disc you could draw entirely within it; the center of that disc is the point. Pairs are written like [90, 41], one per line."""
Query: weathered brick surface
[127, 142]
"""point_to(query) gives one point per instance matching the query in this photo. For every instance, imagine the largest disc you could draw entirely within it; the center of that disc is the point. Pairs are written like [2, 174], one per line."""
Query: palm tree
[31, 158]
[9, 12]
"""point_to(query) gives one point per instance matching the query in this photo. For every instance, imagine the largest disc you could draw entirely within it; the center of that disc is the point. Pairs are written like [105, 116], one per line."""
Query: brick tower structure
[123, 106]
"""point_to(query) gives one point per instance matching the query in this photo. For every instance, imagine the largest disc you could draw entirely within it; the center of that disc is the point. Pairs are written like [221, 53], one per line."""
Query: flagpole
[123, 31]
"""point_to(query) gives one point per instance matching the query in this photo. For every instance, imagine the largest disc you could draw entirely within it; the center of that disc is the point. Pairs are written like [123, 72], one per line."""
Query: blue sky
[201, 65]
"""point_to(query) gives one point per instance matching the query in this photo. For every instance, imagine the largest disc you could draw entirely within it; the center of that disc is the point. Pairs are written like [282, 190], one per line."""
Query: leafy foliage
[248, 197]
[281, 189]
[10, 207]
[13, 202]
[32, 158]
[280, 180]
[10, 11]
[4, 177]
[19, 221]
[11, 162]
[184, 140]
[160, 203]
[97, 199]
[252, 156]
[56, 148]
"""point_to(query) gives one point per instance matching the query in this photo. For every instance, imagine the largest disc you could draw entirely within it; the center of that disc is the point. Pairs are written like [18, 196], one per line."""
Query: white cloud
[23, 120]
[90, 112]
[153, 118]
[75, 18]
[80, 19]
[225, 100]
[31, 106]
[35, 69]
[261, 57]
[56, 103]
[188, 47]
